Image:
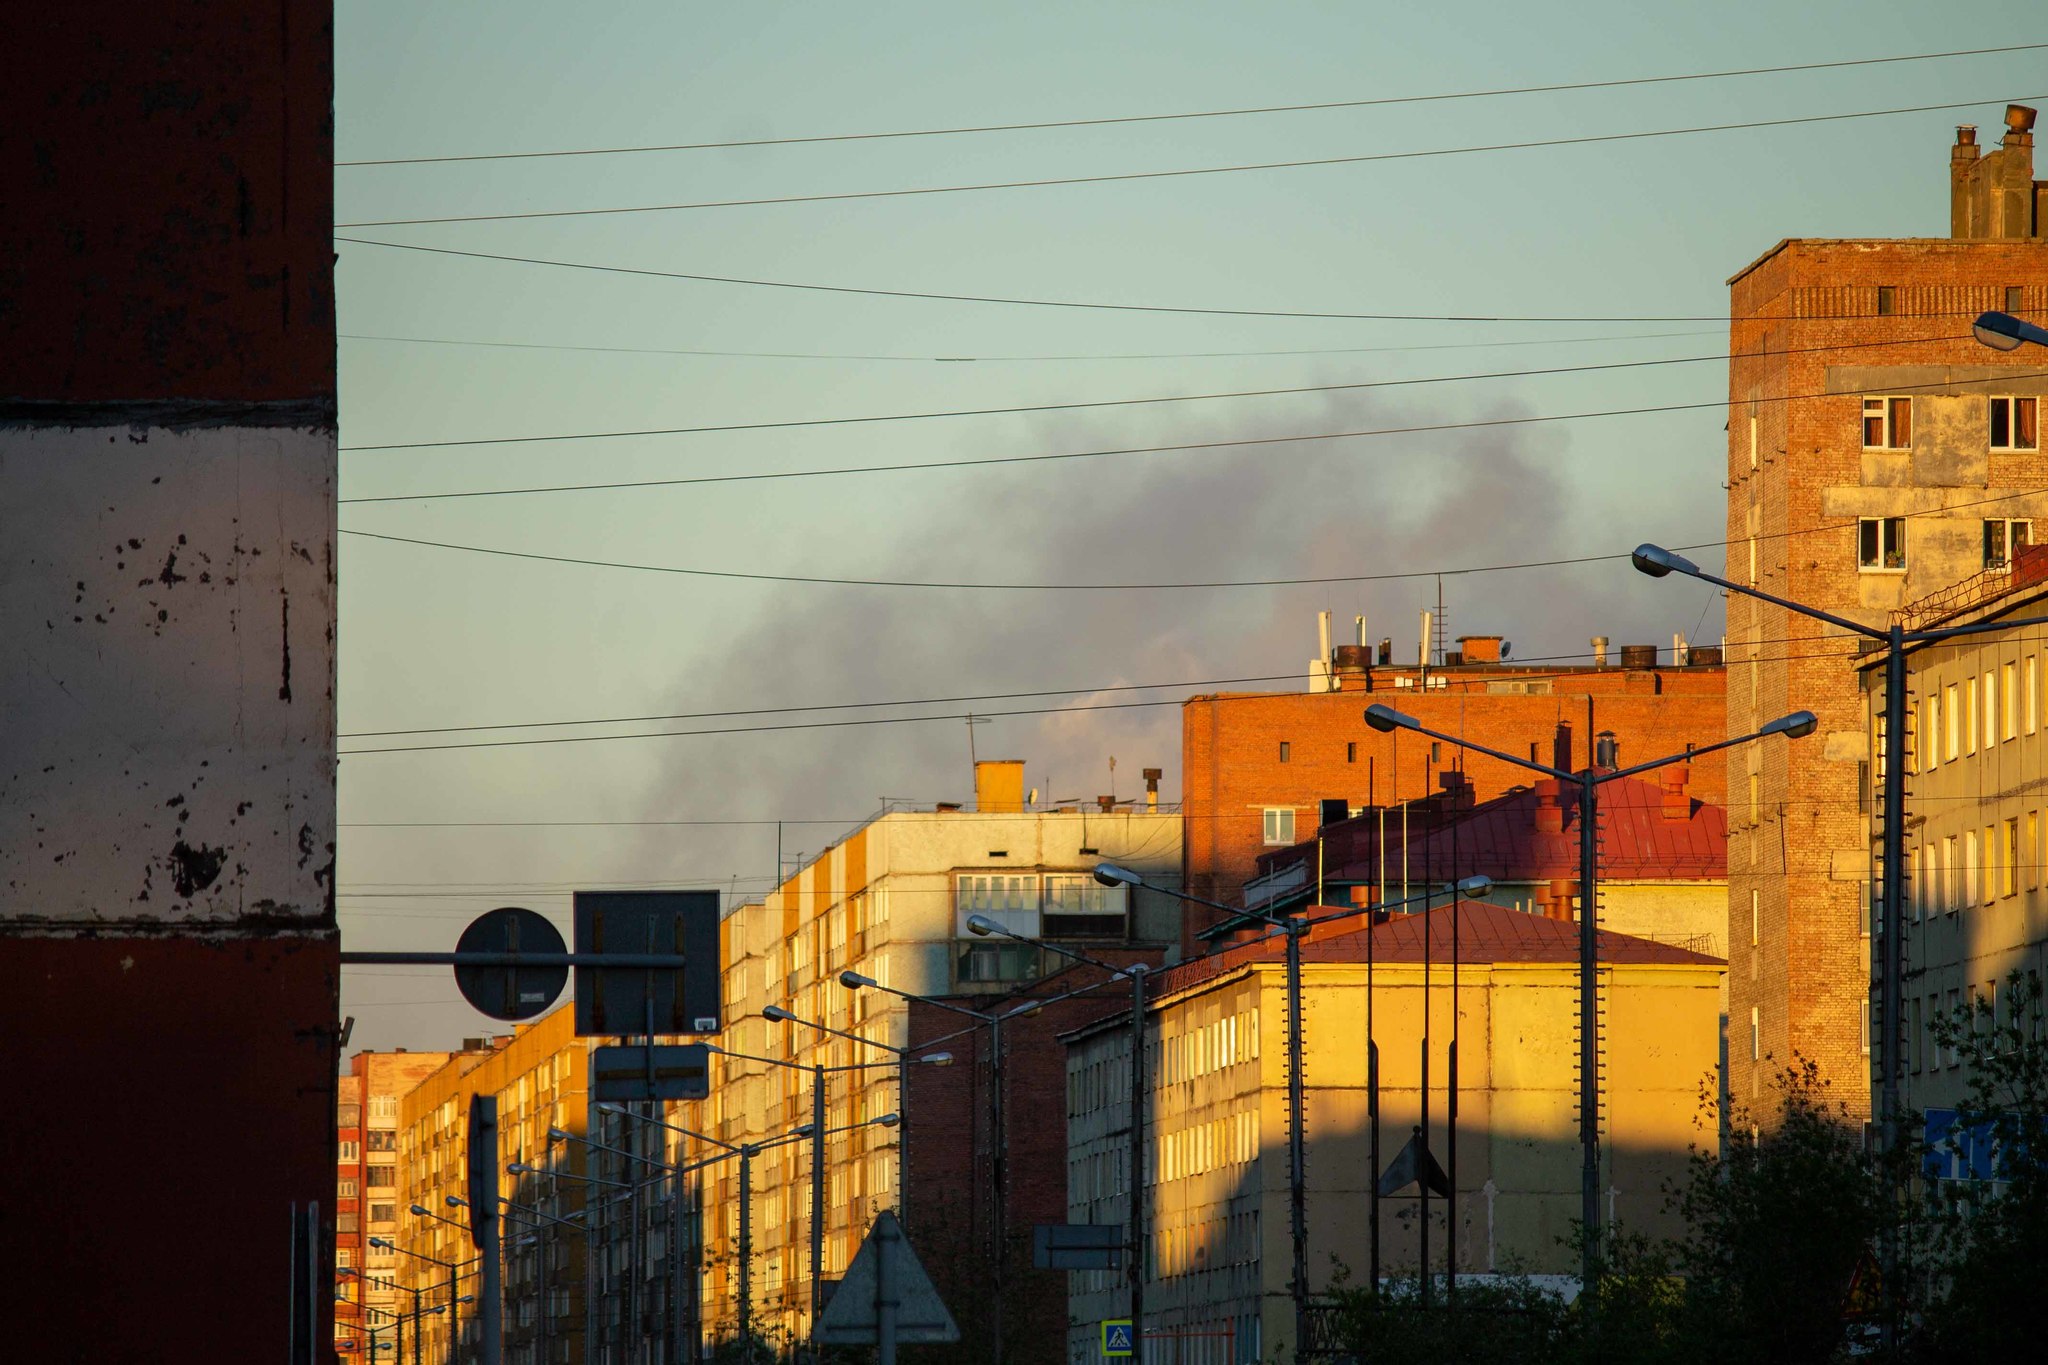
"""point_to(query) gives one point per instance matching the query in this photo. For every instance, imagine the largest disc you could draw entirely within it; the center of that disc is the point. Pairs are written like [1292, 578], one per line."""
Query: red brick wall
[1809, 307]
[1231, 768]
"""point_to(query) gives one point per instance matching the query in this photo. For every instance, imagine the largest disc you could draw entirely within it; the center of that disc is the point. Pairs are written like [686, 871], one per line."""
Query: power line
[1300, 163]
[1150, 400]
[1043, 124]
[1084, 304]
[1024, 359]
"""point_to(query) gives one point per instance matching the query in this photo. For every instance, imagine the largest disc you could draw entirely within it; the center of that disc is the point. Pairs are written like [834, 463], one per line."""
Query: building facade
[1258, 769]
[368, 1185]
[537, 1074]
[1876, 455]
[167, 465]
[1976, 913]
[1218, 1251]
[890, 902]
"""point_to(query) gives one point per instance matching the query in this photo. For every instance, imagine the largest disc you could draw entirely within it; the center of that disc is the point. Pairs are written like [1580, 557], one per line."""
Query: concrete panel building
[1976, 913]
[891, 901]
[1259, 769]
[1218, 1252]
[1876, 455]
[167, 464]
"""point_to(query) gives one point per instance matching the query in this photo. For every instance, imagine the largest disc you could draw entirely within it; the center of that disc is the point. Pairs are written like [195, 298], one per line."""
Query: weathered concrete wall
[168, 956]
[169, 684]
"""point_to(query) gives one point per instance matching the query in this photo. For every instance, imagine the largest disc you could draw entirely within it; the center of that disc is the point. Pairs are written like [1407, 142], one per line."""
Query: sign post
[885, 1298]
[483, 1222]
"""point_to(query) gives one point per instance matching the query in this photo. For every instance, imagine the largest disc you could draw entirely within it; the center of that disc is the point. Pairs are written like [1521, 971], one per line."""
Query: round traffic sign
[511, 992]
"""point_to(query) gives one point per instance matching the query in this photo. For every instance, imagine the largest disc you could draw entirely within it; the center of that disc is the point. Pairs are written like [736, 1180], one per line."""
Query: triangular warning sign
[1866, 1291]
[1414, 1163]
[885, 1277]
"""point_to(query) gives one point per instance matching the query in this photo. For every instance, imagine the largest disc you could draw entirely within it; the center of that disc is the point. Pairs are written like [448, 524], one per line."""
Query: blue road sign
[1116, 1336]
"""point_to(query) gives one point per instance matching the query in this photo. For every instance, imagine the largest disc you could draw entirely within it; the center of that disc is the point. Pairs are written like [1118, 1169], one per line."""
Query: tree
[1989, 1182]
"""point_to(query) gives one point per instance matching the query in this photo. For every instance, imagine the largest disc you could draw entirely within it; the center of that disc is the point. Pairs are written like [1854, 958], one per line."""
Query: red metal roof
[1500, 839]
[1486, 933]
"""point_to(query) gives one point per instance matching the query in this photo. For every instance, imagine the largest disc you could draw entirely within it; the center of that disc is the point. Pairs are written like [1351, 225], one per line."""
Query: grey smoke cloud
[1374, 506]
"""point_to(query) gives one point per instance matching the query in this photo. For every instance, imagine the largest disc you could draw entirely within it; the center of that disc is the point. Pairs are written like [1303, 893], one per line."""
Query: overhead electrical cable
[1053, 456]
[1181, 173]
[1187, 310]
[1242, 112]
[1149, 400]
[1024, 359]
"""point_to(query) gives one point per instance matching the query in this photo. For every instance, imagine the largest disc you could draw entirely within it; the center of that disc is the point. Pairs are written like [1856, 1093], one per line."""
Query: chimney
[999, 786]
[1549, 806]
[1639, 656]
[1107, 803]
[1676, 805]
[1599, 651]
[1386, 651]
[1561, 747]
[1993, 195]
[1152, 776]
[1606, 750]
[1561, 899]
[1480, 649]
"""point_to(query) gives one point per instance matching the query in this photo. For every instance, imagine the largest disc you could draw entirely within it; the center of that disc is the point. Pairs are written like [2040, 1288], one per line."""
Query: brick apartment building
[1258, 767]
[1876, 454]
[367, 1191]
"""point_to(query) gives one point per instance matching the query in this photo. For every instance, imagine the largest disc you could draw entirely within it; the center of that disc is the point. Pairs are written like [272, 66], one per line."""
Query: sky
[1604, 263]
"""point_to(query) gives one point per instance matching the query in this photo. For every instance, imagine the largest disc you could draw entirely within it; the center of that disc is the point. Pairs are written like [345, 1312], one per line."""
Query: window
[1915, 1042]
[998, 962]
[1990, 710]
[1756, 916]
[2014, 424]
[1970, 715]
[351, 1152]
[345, 1222]
[2003, 540]
[1923, 872]
[1286, 752]
[1078, 906]
[1881, 543]
[2030, 704]
[1950, 869]
[1279, 824]
[383, 1213]
[344, 1189]
[1008, 898]
[344, 1257]
[1887, 300]
[2010, 714]
[2008, 868]
[2015, 298]
[1351, 751]
[381, 1177]
[1970, 868]
[1930, 731]
[1955, 743]
[381, 1140]
[2033, 849]
[1990, 863]
[1887, 423]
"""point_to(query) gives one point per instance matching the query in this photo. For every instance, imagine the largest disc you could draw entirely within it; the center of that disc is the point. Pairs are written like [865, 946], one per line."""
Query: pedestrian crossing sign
[1116, 1336]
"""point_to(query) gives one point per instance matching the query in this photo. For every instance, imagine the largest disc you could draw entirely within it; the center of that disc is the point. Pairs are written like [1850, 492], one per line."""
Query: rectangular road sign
[1078, 1246]
[1116, 1336]
[636, 1075]
[634, 1002]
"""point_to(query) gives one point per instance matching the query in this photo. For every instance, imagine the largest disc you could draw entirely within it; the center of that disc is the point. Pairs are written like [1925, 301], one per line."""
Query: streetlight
[904, 1056]
[397, 1319]
[1795, 726]
[534, 1218]
[1110, 874]
[452, 1267]
[998, 1154]
[982, 926]
[2004, 332]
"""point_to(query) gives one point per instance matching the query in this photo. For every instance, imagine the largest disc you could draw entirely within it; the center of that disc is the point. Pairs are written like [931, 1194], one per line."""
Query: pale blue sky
[1648, 228]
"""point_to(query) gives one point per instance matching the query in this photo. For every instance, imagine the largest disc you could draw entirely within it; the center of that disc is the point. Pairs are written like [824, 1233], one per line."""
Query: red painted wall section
[168, 1243]
[169, 174]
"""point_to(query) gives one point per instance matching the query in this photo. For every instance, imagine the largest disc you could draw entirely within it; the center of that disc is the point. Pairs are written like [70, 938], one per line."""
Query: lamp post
[453, 1268]
[904, 1056]
[746, 1152]
[628, 1314]
[1385, 718]
[590, 1333]
[983, 926]
[541, 1223]
[2002, 332]
[397, 1319]
[1294, 927]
